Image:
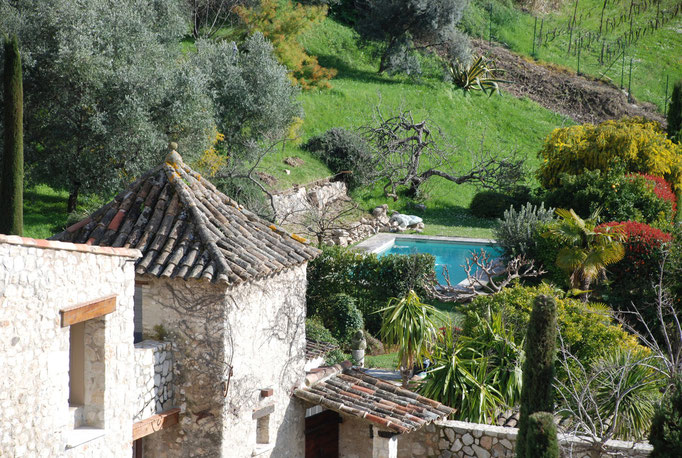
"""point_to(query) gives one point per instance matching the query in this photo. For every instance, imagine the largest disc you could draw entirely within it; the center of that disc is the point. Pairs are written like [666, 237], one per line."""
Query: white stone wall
[470, 440]
[228, 345]
[294, 202]
[37, 280]
[153, 378]
[354, 440]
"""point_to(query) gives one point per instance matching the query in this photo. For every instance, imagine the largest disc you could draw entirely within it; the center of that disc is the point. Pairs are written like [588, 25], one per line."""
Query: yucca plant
[479, 75]
[411, 325]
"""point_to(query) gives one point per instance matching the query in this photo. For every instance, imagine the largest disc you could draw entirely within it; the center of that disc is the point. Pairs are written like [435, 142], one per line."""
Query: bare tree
[485, 275]
[209, 16]
[408, 153]
[321, 221]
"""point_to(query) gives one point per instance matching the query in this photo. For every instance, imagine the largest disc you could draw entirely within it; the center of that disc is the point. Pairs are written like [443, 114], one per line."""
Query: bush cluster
[666, 426]
[342, 151]
[518, 231]
[587, 328]
[639, 145]
[371, 281]
[315, 330]
[618, 196]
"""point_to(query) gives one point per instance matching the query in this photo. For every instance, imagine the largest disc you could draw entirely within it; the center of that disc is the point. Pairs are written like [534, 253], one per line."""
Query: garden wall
[288, 204]
[153, 378]
[451, 438]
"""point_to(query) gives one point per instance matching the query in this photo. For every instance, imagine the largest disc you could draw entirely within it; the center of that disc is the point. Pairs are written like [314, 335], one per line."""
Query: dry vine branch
[485, 276]
[401, 147]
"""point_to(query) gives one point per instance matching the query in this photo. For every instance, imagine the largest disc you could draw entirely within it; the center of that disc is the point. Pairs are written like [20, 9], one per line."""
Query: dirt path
[578, 97]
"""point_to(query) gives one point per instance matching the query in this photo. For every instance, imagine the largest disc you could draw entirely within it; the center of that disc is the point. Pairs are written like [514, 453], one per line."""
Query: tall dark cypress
[12, 189]
[675, 112]
[537, 394]
[541, 436]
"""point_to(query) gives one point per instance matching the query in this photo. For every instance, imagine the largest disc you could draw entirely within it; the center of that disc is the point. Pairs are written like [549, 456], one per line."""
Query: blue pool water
[450, 254]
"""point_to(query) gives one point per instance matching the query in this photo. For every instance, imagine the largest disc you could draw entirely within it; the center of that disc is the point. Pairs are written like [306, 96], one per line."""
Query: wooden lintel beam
[156, 423]
[88, 310]
[263, 411]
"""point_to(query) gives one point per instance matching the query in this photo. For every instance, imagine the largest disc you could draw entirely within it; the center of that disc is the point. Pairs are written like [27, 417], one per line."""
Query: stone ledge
[67, 246]
[79, 436]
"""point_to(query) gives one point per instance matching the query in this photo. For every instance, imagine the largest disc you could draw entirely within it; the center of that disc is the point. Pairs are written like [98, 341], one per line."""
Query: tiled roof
[346, 390]
[186, 228]
[315, 349]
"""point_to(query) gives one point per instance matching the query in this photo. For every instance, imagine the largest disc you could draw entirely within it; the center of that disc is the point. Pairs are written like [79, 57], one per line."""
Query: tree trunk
[12, 191]
[73, 198]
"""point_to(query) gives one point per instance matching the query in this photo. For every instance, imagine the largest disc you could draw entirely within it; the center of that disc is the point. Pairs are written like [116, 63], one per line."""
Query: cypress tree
[541, 438]
[675, 112]
[537, 394]
[12, 188]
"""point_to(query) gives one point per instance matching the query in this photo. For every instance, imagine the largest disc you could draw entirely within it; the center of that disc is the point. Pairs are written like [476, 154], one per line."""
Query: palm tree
[411, 325]
[585, 252]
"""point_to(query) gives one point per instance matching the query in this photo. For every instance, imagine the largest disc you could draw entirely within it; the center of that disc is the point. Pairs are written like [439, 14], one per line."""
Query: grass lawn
[654, 55]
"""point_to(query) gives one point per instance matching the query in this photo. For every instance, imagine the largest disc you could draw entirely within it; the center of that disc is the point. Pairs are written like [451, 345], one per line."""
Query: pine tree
[537, 394]
[11, 191]
[675, 112]
[541, 438]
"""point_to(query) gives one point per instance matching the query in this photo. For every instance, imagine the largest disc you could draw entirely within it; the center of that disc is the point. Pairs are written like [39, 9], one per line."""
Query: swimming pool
[450, 253]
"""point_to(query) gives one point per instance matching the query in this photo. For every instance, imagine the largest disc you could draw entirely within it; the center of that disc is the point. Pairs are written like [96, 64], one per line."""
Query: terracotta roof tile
[315, 349]
[186, 228]
[344, 389]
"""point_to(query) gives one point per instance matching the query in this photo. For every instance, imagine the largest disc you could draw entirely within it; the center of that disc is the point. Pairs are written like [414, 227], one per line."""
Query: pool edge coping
[381, 241]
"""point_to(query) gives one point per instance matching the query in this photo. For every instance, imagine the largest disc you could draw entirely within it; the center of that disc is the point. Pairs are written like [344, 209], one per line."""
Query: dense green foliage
[370, 280]
[619, 196]
[639, 145]
[541, 438]
[518, 232]
[12, 184]
[675, 113]
[587, 329]
[666, 426]
[410, 325]
[315, 330]
[397, 24]
[477, 372]
[537, 392]
[342, 151]
[490, 204]
[342, 316]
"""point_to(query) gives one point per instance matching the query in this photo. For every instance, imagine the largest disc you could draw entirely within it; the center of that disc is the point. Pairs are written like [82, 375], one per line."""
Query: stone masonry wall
[298, 200]
[153, 378]
[38, 279]
[470, 440]
[228, 344]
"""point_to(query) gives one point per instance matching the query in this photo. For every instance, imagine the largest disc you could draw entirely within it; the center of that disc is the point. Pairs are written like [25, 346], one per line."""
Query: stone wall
[38, 279]
[230, 347]
[153, 378]
[470, 440]
[299, 199]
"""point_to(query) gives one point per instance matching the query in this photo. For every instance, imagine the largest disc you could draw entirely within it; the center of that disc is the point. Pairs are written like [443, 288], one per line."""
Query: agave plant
[477, 76]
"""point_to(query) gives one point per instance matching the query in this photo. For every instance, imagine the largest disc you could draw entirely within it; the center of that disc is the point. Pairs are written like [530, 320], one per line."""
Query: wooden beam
[88, 310]
[263, 411]
[156, 423]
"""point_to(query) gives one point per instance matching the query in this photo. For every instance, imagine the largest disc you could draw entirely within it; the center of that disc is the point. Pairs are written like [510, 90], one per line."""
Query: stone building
[66, 349]
[227, 290]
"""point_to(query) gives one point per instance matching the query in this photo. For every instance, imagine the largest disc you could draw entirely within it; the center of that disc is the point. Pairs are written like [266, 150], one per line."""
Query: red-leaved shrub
[633, 277]
[661, 188]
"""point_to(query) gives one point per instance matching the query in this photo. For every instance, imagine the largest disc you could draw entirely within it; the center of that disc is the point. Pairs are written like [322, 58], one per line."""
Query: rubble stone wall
[228, 345]
[298, 200]
[153, 378]
[38, 279]
[470, 440]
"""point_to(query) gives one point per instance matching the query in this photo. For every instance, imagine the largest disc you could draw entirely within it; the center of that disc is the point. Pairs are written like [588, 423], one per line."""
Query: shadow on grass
[455, 216]
[351, 73]
[44, 213]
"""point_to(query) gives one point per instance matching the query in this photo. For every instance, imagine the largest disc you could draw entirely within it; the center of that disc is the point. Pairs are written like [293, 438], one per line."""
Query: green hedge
[369, 280]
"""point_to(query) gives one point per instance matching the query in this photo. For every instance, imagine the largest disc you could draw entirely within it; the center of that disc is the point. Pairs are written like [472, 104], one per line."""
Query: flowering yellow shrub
[211, 160]
[640, 145]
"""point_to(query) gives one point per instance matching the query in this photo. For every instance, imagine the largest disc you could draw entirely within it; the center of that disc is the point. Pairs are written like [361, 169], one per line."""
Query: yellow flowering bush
[640, 145]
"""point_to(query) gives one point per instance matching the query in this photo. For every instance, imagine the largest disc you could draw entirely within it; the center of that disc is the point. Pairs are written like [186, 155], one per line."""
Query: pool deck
[384, 240]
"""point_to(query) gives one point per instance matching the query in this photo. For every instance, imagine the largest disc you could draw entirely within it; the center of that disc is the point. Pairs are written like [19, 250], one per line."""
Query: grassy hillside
[500, 123]
[655, 54]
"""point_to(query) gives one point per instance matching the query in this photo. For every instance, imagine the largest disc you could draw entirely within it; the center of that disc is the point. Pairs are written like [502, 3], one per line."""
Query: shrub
[666, 426]
[315, 330]
[541, 438]
[342, 151]
[342, 317]
[370, 280]
[675, 113]
[490, 204]
[282, 22]
[518, 231]
[639, 145]
[632, 278]
[587, 328]
[537, 393]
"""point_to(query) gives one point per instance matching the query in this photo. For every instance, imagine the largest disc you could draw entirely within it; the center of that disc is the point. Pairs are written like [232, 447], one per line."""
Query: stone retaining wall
[153, 378]
[297, 201]
[470, 440]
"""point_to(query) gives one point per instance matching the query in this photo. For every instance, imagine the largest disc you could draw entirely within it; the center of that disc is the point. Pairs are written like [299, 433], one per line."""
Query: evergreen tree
[541, 438]
[675, 113]
[537, 394]
[666, 426]
[11, 192]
